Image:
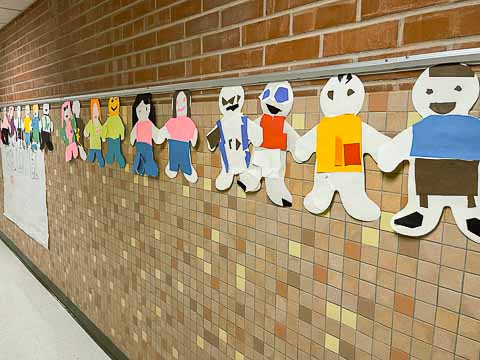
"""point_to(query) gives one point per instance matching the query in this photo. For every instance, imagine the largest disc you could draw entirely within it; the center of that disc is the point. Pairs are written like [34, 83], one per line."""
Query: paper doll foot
[473, 225]
[171, 174]
[193, 177]
[249, 183]
[223, 182]
[412, 221]
[286, 203]
[311, 206]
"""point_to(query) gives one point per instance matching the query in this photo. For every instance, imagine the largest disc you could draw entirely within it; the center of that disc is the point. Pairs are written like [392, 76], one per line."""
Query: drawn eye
[330, 94]
[458, 88]
[350, 92]
[429, 91]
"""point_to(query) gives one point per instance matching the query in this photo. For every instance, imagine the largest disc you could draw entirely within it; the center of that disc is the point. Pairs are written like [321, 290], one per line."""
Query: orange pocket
[352, 154]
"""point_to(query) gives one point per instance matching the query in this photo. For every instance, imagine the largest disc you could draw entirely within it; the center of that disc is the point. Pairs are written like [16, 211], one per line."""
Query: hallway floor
[33, 324]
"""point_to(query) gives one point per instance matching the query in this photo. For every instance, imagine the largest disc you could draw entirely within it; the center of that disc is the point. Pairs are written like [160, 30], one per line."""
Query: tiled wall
[170, 270]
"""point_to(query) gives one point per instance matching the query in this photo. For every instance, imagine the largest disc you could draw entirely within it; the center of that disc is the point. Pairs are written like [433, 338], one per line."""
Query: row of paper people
[442, 148]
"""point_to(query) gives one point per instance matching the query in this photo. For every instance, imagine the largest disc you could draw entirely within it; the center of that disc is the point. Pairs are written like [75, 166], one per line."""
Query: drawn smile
[232, 107]
[274, 110]
[114, 108]
[443, 108]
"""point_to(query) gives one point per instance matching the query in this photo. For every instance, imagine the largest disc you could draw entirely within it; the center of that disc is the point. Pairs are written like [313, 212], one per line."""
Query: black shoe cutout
[286, 203]
[411, 221]
[473, 225]
[242, 185]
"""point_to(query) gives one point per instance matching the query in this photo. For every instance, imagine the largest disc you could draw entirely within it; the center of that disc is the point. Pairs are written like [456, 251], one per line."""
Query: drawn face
[35, 110]
[19, 111]
[113, 106]
[143, 111]
[445, 90]
[231, 100]
[343, 94]
[95, 113]
[46, 109]
[277, 99]
[27, 110]
[181, 104]
[76, 108]
[66, 111]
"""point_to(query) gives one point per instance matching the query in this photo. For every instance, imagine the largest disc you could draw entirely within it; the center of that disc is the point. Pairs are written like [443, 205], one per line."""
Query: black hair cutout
[147, 99]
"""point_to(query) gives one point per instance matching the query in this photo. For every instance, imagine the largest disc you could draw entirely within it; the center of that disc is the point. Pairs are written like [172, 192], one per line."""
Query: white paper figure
[232, 134]
[19, 126]
[270, 158]
[340, 141]
[80, 128]
[5, 128]
[443, 153]
[11, 125]
[47, 129]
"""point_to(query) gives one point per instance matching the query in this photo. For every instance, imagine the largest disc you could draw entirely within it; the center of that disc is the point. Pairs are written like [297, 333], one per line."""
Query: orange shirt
[273, 135]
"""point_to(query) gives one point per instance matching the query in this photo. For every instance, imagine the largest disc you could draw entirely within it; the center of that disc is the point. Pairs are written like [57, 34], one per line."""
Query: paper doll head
[35, 110]
[182, 103]
[143, 109]
[46, 109]
[66, 111]
[27, 110]
[114, 106]
[76, 108]
[277, 99]
[19, 111]
[231, 99]
[445, 89]
[95, 110]
[342, 94]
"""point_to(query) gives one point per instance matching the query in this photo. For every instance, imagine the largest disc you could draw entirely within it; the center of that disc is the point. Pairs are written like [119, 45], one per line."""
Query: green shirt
[114, 128]
[95, 133]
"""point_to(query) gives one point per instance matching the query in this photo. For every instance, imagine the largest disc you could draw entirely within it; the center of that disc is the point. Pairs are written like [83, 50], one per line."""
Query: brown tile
[404, 304]
[366, 308]
[346, 350]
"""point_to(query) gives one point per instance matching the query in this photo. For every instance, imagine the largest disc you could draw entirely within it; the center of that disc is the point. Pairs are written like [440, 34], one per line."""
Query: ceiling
[9, 9]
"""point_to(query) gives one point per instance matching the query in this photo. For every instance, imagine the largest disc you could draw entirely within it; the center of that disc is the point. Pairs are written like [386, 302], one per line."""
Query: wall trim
[92, 330]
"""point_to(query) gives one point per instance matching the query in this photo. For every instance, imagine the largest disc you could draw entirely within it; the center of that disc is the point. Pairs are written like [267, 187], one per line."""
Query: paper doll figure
[443, 152]
[19, 126]
[143, 132]
[27, 126]
[36, 124]
[270, 158]
[80, 129]
[47, 129]
[115, 133]
[5, 128]
[340, 142]
[180, 131]
[68, 131]
[95, 131]
[232, 134]
[11, 124]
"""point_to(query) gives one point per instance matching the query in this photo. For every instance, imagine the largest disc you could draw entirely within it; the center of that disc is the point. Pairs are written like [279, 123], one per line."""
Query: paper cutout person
[340, 142]
[143, 132]
[115, 133]
[180, 131]
[11, 124]
[5, 128]
[47, 129]
[19, 126]
[443, 153]
[27, 126]
[68, 131]
[270, 158]
[35, 128]
[232, 134]
[95, 131]
[80, 129]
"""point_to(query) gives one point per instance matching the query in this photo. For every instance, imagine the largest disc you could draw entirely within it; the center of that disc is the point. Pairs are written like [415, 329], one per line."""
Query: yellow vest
[339, 144]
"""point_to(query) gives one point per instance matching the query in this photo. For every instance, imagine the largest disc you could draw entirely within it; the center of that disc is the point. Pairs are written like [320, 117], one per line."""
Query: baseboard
[92, 330]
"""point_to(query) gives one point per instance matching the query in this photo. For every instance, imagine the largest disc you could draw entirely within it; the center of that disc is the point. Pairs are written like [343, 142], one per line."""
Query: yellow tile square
[158, 311]
[222, 334]
[333, 311]
[180, 286]
[385, 219]
[332, 343]
[135, 179]
[175, 353]
[215, 235]
[294, 248]
[298, 121]
[126, 168]
[207, 267]
[413, 117]
[370, 236]
[349, 318]
[200, 252]
[240, 193]
[145, 181]
[239, 356]
[200, 342]
[186, 191]
[241, 271]
[207, 184]
[157, 234]
[240, 283]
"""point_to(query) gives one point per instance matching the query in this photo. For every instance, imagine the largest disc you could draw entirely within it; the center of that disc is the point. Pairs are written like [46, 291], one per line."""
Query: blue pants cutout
[179, 156]
[114, 152]
[144, 162]
[96, 153]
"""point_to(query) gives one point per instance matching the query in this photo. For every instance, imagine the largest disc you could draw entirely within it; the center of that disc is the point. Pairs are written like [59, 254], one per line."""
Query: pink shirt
[144, 132]
[181, 128]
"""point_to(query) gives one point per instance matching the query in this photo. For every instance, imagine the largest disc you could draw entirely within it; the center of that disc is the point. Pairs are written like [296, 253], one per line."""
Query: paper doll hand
[194, 138]
[292, 138]
[395, 151]
[255, 133]
[305, 146]
[213, 138]
[86, 133]
[372, 140]
[159, 136]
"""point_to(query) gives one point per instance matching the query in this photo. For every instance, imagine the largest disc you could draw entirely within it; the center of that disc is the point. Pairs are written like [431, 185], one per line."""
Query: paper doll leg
[250, 180]
[74, 150]
[82, 152]
[351, 187]
[118, 154]
[192, 177]
[68, 154]
[27, 139]
[151, 168]
[224, 180]
[99, 155]
[91, 156]
[467, 219]
[278, 192]
[43, 140]
[169, 172]
[110, 157]
[319, 199]
[49, 142]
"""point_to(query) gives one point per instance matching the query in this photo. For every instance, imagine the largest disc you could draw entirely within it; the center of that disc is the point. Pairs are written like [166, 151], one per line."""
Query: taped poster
[340, 141]
[442, 151]
[96, 133]
[114, 133]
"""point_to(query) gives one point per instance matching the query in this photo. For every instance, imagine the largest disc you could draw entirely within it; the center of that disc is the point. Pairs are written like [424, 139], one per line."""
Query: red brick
[242, 59]
[222, 40]
[280, 5]
[337, 13]
[171, 71]
[172, 33]
[210, 4]
[442, 25]
[202, 66]
[185, 49]
[186, 9]
[293, 50]
[242, 12]
[157, 19]
[144, 42]
[375, 8]
[371, 37]
[157, 56]
[266, 30]
[145, 76]
[202, 24]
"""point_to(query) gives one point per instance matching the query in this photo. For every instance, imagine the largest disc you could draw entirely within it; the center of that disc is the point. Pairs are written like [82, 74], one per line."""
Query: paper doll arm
[195, 138]
[133, 135]
[372, 140]
[213, 138]
[86, 131]
[103, 133]
[51, 126]
[159, 135]
[306, 145]
[122, 133]
[292, 138]
[395, 151]
[255, 133]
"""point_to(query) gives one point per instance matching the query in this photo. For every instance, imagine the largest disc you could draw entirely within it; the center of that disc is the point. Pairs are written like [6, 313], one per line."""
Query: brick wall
[67, 47]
